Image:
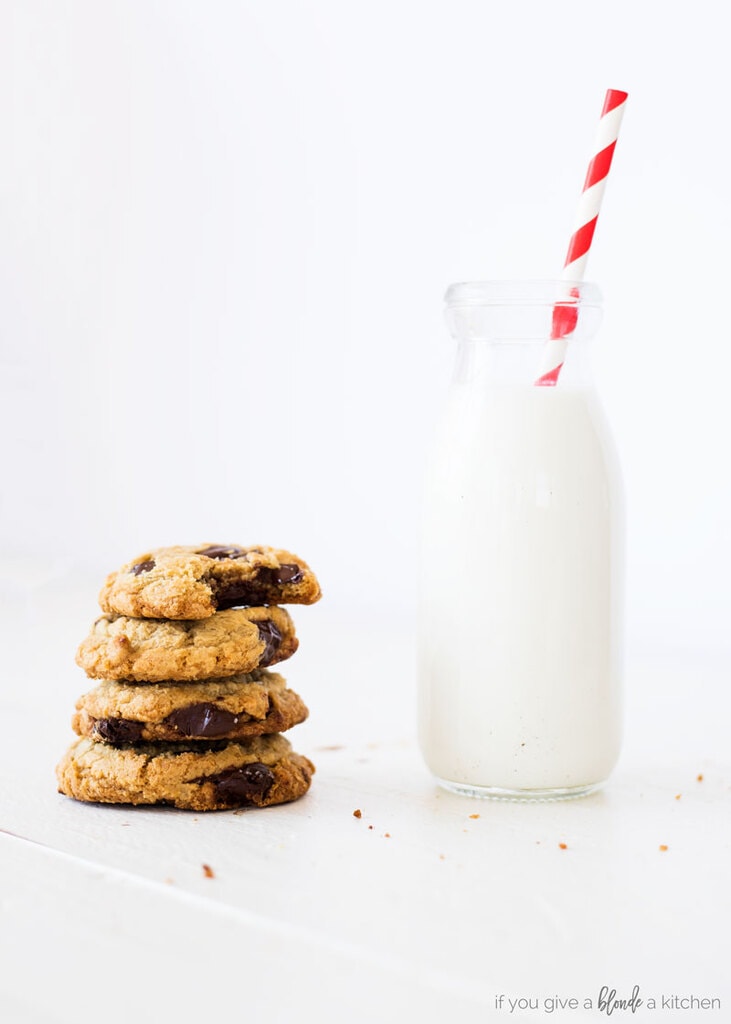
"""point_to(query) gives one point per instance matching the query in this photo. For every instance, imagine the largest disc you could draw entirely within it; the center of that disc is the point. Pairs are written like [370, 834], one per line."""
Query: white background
[225, 234]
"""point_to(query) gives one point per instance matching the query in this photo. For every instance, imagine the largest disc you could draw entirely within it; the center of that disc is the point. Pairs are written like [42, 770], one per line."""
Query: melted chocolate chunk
[271, 636]
[220, 552]
[202, 720]
[117, 730]
[143, 566]
[284, 574]
[240, 785]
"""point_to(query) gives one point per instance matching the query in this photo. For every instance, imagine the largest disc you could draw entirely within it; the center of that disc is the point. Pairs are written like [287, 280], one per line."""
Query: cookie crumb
[678, 796]
[442, 857]
[474, 815]
[662, 847]
[386, 835]
[370, 826]
[333, 746]
[699, 778]
[208, 871]
[562, 846]
[357, 813]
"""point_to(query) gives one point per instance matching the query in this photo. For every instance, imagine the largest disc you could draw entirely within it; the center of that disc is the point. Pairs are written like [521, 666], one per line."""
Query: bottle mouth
[523, 293]
[521, 311]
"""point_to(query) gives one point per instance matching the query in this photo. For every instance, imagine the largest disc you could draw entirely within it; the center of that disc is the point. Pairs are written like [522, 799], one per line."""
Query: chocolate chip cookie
[194, 582]
[256, 772]
[234, 708]
[153, 650]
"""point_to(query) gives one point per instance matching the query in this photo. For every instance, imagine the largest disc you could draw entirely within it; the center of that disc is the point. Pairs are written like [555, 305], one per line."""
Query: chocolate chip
[271, 636]
[240, 785]
[117, 730]
[143, 566]
[287, 573]
[290, 574]
[220, 552]
[197, 720]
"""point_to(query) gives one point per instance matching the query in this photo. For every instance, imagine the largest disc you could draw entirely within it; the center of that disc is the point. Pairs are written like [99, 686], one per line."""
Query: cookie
[234, 708]
[152, 650]
[194, 582]
[257, 772]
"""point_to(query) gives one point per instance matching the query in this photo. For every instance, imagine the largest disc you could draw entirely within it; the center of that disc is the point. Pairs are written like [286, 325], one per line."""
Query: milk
[520, 611]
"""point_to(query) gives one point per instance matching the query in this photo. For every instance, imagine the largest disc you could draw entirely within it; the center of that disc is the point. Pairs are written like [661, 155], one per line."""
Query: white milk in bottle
[521, 562]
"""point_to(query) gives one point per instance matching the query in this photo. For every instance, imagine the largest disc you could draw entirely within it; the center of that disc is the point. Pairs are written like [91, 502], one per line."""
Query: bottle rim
[541, 292]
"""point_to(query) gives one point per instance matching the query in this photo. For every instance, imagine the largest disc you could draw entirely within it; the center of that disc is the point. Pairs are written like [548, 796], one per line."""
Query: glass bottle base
[518, 795]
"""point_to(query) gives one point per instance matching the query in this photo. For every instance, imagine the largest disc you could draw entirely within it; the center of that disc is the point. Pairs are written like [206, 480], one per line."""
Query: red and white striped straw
[565, 312]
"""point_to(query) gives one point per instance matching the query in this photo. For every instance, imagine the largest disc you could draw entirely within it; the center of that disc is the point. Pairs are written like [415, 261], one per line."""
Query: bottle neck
[517, 364]
[504, 329]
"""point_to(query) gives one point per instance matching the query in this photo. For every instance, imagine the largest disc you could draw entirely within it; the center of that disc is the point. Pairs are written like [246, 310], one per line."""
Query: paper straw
[565, 311]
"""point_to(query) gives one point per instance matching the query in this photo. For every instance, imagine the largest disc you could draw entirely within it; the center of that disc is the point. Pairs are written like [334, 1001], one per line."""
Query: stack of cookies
[186, 712]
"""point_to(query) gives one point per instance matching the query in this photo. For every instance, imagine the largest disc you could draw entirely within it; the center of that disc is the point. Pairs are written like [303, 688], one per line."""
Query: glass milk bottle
[520, 631]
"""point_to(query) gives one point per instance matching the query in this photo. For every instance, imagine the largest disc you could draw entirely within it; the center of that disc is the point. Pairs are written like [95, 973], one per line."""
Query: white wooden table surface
[419, 910]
